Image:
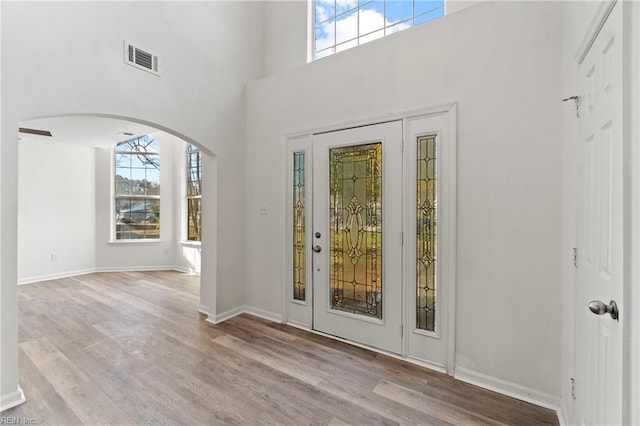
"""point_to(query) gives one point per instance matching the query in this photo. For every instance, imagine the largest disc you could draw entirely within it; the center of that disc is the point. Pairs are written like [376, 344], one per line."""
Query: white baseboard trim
[244, 309]
[184, 270]
[69, 274]
[57, 276]
[563, 414]
[507, 388]
[11, 400]
[136, 268]
[203, 309]
[261, 313]
[217, 319]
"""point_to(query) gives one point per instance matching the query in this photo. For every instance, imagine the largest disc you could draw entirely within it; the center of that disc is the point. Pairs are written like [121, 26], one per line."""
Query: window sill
[196, 244]
[134, 242]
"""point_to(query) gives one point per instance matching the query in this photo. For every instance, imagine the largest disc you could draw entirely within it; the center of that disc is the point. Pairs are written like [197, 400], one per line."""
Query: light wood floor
[130, 348]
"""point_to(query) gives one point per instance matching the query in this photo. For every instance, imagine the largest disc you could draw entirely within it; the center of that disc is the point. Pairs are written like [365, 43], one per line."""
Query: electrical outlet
[263, 210]
[54, 257]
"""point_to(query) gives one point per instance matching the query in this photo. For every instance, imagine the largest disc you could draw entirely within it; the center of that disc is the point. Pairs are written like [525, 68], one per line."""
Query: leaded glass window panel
[426, 283]
[137, 189]
[299, 243]
[355, 221]
[194, 193]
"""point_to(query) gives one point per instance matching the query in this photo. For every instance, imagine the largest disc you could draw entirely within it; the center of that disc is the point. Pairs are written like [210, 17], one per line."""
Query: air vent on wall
[140, 58]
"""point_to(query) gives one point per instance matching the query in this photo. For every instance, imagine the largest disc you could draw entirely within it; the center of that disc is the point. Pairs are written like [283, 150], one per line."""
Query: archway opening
[69, 212]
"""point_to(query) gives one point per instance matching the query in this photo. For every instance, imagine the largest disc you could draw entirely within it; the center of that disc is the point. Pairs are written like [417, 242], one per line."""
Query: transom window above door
[342, 24]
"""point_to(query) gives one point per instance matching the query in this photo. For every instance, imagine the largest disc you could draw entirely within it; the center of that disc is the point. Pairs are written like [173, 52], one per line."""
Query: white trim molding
[70, 274]
[12, 399]
[217, 319]
[244, 309]
[136, 268]
[203, 310]
[595, 26]
[49, 277]
[507, 388]
[261, 313]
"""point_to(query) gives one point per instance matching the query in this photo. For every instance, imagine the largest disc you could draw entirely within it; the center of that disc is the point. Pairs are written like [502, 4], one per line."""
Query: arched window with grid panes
[137, 189]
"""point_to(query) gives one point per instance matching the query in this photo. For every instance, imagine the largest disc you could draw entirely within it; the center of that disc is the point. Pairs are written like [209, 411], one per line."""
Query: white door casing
[382, 333]
[599, 343]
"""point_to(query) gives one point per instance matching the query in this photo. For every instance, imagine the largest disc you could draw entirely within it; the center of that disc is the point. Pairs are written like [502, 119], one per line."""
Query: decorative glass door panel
[426, 196]
[355, 220]
[357, 224]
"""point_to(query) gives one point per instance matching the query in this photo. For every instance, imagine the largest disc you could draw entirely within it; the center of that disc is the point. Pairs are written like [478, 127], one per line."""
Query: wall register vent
[140, 58]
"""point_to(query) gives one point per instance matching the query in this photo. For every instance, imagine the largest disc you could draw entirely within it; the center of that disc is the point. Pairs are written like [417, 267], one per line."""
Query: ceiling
[100, 132]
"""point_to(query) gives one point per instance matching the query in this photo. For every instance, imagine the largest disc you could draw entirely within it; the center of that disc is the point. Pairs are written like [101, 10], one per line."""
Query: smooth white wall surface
[56, 210]
[207, 50]
[502, 63]
[285, 35]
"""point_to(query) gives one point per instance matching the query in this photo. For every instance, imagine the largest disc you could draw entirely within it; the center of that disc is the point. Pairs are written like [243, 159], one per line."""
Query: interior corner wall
[56, 210]
[207, 50]
[501, 62]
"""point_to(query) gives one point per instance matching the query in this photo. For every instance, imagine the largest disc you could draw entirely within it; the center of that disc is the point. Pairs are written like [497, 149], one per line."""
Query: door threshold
[418, 362]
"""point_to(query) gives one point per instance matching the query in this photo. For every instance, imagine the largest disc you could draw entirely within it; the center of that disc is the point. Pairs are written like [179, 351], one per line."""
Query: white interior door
[357, 225]
[600, 230]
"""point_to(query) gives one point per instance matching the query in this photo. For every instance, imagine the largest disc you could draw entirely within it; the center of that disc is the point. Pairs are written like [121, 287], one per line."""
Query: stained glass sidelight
[426, 286]
[299, 269]
[355, 221]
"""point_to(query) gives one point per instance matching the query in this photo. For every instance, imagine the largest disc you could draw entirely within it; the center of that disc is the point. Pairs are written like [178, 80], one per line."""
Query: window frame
[114, 196]
[332, 49]
[187, 197]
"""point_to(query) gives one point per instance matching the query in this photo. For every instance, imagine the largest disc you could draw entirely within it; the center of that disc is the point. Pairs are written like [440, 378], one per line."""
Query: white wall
[502, 64]
[207, 50]
[56, 210]
[285, 35]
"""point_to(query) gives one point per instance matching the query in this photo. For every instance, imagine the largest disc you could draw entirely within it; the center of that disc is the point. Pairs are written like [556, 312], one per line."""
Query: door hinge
[402, 146]
[401, 330]
[573, 387]
[574, 254]
[401, 238]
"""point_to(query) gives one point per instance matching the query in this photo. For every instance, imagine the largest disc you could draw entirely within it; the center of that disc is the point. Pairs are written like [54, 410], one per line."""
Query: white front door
[356, 239]
[600, 231]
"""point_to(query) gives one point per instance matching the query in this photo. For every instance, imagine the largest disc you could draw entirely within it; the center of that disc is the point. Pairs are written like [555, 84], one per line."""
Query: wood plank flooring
[130, 348]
